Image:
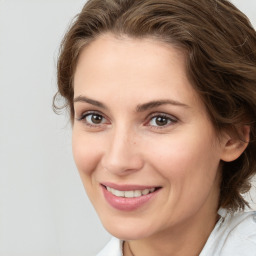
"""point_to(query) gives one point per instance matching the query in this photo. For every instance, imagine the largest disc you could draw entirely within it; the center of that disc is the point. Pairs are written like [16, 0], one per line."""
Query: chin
[127, 230]
[127, 235]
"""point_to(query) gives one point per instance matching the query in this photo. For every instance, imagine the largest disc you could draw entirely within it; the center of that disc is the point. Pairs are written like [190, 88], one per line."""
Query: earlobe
[234, 146]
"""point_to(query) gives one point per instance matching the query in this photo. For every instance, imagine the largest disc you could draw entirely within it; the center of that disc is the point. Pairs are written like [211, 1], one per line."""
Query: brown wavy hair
[220, 47]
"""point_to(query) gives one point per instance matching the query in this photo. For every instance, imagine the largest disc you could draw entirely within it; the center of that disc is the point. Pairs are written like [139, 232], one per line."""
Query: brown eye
[94, 119]
[161, 121]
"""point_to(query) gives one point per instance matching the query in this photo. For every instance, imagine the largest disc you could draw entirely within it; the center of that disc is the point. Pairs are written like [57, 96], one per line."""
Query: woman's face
[144, 146]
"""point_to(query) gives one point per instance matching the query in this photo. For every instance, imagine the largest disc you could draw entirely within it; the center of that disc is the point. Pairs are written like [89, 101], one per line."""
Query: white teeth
[145, 191]
[118, 193]
[137, 193]
[131, 193]
[128, 194]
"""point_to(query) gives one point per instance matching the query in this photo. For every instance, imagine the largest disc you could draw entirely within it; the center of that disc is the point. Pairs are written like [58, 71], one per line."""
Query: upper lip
[127, 187]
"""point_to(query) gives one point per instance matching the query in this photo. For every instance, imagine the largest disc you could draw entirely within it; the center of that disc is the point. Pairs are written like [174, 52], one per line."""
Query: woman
[162, 99]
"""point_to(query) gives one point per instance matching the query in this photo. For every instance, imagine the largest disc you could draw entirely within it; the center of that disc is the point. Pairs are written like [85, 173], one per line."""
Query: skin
[127, 146]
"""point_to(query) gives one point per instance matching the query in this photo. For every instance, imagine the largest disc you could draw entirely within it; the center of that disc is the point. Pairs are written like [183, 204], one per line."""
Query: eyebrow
[96, 103]
[139, 108]
[157, 103]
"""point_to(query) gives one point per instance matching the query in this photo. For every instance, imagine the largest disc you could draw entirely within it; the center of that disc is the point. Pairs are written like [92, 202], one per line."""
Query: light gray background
[44, 210]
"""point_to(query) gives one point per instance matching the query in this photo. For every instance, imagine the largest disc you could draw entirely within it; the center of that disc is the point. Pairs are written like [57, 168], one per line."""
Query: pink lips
[124, 203]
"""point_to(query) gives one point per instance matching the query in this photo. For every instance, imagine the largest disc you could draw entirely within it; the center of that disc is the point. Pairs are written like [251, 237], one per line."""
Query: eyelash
[91, 113]
[170, 119]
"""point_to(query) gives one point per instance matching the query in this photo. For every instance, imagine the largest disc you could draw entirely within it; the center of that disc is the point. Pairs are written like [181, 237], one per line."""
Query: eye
[161, 120]
[93, 119]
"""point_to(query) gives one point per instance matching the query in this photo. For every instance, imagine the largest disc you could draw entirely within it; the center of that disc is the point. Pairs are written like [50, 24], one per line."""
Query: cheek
[85, 154]
[187, 160]
[189, 168]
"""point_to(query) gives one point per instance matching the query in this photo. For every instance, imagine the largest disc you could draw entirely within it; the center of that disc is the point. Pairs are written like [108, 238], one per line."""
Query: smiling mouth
[130, 193]
[128, 197]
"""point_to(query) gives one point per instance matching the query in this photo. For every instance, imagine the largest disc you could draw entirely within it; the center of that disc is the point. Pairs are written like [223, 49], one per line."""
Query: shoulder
[234, 234]
[112, 248]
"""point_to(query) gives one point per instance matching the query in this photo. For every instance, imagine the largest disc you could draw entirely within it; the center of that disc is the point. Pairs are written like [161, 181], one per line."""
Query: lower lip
[127, 203]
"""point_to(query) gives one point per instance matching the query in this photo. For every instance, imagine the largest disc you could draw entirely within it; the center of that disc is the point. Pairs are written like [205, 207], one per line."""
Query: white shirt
[233, 235]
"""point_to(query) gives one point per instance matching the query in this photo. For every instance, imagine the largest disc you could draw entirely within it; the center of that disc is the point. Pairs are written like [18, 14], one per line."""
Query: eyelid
[155, 114]
[172, 118]
[83, 116]
[86, 113]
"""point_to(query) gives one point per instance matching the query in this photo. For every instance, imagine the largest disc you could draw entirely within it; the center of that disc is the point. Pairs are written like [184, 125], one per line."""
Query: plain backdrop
[44, 210]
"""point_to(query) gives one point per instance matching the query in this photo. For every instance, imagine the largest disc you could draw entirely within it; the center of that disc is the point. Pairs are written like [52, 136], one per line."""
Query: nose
[122, 155]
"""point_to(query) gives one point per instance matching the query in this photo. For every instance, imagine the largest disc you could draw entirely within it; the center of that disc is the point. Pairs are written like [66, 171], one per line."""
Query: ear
[235, 145]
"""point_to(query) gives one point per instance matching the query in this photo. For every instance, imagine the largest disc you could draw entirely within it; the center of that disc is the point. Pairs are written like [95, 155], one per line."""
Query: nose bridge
[122, 153]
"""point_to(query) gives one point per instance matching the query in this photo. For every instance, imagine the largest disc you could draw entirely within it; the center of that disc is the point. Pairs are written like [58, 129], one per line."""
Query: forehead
[142, 67]
[107, 49]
